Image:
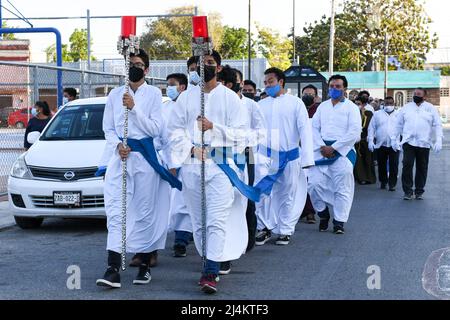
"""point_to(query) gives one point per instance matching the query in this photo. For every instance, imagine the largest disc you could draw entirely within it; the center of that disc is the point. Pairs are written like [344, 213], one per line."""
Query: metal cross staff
[128, 43]
[201, 46]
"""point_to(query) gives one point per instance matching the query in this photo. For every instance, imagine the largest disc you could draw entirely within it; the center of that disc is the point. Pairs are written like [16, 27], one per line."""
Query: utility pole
[249, 77]
[294, 60]
[88, 18]
[386, 48]
[331, 54]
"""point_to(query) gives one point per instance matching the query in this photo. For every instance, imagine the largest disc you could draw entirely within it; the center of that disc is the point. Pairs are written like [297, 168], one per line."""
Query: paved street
[384, 231]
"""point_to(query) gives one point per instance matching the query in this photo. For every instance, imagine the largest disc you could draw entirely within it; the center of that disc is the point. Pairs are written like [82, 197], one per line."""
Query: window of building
[445, 92]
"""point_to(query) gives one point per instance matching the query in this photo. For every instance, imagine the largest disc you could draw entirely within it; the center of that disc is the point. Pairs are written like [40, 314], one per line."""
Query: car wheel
[20, 125]
[28, 223]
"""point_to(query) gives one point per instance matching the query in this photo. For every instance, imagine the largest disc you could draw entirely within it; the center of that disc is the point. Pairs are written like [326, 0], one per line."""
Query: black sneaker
[338, 229]
[143, 276]
[419, 196]
[383, 186]
[111, 279]
[179, 251]
[407, 196]
[283, 240]
[225, 267]
[391, 189]
[323, 225]
[262, 237]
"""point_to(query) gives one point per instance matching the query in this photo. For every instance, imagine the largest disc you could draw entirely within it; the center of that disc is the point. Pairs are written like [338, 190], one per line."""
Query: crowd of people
[268, 164]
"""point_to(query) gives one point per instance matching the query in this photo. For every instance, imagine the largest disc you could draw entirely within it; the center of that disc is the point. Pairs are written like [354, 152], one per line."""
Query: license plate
[67, 198]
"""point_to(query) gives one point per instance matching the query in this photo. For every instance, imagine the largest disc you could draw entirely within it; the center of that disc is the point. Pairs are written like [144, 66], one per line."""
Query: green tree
[445, 71]
[360, 33]
[75, 51]
[7, 36]
[275, 48]
[235, 43]
[170, 38]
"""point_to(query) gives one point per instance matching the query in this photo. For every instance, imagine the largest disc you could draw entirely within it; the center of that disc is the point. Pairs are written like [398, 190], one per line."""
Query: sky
[104, 32]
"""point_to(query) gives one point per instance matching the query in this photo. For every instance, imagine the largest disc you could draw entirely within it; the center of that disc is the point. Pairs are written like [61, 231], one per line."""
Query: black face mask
[236, 87]
[210, 72]
[136, 74]
[249, 95]
[364, 99]
[308, 100]
[418, 99]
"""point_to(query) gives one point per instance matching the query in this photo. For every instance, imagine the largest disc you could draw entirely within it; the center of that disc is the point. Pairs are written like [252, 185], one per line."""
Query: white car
[56, 176]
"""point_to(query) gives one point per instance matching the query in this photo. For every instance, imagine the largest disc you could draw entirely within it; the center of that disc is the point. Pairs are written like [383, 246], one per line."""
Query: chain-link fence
[22, 84]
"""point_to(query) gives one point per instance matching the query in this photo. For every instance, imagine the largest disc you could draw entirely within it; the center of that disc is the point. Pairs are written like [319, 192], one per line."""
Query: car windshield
[77, 123]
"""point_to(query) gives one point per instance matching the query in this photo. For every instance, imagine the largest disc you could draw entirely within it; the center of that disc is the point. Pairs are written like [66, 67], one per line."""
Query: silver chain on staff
[126, 47]
[202, 168]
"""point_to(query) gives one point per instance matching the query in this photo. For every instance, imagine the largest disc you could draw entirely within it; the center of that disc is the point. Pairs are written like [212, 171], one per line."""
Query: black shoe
[143, 276]
[111, 279]
[225, 267]
[383, 186]
[338, 229]
[283, 240]
[323, 225]
[391, 189]
[407, 196]
[179, 251]
[419, 196]
[262, 237]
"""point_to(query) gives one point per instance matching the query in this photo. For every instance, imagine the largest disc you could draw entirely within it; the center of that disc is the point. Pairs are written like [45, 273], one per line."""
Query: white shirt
[381, 128]
[419, 126]
[340, 123]
[144, 120]
[287, 124]
[255, 121]
[368, 107]
[222, 107]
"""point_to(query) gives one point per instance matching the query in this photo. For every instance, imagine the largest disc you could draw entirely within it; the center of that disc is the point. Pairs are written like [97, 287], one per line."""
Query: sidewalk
[6, 217]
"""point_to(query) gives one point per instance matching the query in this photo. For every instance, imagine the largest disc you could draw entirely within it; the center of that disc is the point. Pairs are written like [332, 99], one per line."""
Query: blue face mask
[34, 112]
[335, 94]
[273, 91]
[172, 92]
[194, 78]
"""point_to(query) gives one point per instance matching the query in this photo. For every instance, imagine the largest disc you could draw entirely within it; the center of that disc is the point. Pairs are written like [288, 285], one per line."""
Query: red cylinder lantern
[200, 27]
[128, 26]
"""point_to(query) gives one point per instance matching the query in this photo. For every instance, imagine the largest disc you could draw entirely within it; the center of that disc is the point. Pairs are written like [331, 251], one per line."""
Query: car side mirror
[33, 137]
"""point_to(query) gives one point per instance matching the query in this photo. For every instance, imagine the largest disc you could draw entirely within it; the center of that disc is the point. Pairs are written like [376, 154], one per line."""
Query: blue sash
[147, 149]
[219, 157]
[266, 184]
[327, 161]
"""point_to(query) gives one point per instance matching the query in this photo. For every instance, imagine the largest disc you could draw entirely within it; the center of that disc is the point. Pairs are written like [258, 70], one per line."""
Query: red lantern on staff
[200, 27]
[128, 26]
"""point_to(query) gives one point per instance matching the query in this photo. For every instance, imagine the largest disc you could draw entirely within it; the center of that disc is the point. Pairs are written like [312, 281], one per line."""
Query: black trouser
[420, 156]
[251, 209]
[386, 154]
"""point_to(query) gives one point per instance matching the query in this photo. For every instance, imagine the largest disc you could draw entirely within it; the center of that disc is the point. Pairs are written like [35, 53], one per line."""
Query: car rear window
[77, 123]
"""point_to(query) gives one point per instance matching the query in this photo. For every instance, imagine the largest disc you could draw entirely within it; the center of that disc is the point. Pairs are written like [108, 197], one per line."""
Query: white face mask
[389, 108]
[65, 100]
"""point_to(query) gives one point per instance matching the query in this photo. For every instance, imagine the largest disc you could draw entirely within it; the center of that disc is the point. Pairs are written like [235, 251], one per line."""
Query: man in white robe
[254, 132]
[226, 232]
[148, 195]
[287, 124]
[179, 219]
[336, 128]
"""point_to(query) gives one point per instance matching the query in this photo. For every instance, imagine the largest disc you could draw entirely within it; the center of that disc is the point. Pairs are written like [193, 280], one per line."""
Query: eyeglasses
[137, 65]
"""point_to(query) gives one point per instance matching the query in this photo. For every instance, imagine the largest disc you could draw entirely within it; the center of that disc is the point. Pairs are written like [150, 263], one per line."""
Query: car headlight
[20, 169]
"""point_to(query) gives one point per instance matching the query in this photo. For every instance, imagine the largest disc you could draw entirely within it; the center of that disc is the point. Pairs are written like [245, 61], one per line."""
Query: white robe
[287, 124]
[179, 219]
[334, 184]
[225, 215]
[147, 194]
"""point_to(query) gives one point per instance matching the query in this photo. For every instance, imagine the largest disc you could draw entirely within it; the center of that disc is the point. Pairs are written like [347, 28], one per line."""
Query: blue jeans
[211, 267]
[182, 237]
